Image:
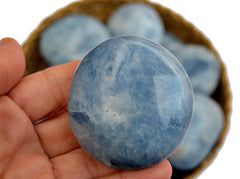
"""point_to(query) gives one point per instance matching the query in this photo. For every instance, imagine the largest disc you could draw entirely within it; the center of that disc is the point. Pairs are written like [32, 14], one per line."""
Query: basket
[173, 22]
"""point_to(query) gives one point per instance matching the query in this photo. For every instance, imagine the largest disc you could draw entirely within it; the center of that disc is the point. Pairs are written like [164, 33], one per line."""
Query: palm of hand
[46, 149]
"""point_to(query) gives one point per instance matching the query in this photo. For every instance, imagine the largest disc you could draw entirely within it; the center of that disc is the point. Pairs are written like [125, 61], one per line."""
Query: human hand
[46, 149]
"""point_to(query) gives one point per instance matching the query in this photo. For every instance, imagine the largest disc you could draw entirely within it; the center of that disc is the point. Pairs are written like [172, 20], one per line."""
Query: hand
[45, 149]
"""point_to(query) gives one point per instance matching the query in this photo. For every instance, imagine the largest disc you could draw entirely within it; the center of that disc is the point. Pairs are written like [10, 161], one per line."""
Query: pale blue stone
[202, 67]
[71, 38]
[204, 132]
[130, 103]
[137, 19]
[172, 42]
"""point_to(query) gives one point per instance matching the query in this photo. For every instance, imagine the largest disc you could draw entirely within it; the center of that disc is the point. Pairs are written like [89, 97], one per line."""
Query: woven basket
[173, 22]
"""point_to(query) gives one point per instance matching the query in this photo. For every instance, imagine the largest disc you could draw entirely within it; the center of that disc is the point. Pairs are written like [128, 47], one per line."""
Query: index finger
[44, 92]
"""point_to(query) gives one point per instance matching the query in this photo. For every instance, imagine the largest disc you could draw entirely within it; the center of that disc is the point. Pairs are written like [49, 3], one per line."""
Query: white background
[217, 19]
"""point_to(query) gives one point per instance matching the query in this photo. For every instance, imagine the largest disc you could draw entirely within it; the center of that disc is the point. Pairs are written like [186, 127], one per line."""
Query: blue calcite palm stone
[204, 131]
[137, 19]
[130, 103]
[202, 67]
[71, 37]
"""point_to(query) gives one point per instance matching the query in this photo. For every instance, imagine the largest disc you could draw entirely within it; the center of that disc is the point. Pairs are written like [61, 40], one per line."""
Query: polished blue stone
[130, 103]
[71, 37]
[204, 132]
[138, 19]
[202, 67]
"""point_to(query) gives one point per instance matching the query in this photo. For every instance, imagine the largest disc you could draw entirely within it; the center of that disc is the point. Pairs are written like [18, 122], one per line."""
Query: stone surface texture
[136, 19]
[172, 42]
[204, 131]
[202, 67]
[71, 38]
[130, 103]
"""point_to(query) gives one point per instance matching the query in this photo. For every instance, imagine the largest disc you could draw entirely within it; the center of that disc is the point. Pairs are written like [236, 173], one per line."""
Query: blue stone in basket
[71, 37]
[202, 67]
[137, 19]
[204, 132]
[172, 42]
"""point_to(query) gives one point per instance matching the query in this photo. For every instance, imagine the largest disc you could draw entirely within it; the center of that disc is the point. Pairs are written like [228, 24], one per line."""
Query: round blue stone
[71, 37]
[202, 67]
[205, 129]
[130, 103]
[138, 19]
[172, 42]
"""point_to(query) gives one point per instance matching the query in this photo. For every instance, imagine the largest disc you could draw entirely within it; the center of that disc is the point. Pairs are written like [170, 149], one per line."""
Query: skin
[46, 149]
